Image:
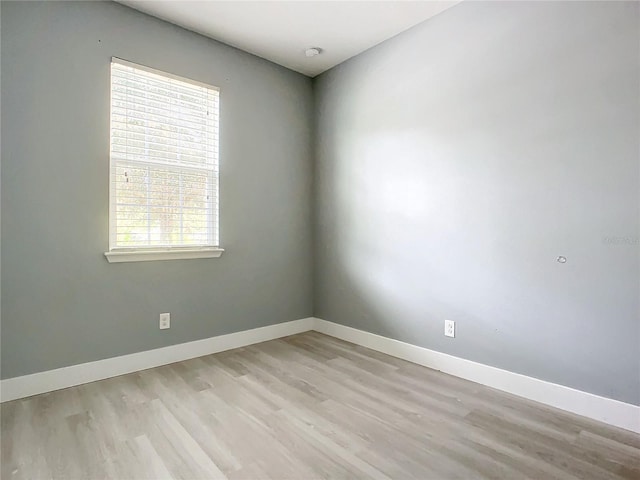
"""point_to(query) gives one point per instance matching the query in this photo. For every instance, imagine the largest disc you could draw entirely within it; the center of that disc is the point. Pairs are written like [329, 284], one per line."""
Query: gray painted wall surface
[63, 303]
[456, 161]
[454, 164]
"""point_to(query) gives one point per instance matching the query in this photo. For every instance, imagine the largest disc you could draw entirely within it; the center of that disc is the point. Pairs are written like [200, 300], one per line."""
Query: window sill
[119, 256]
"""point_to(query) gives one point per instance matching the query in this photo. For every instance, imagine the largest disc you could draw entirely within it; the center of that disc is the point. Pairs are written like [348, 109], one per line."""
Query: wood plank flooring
[304, 407]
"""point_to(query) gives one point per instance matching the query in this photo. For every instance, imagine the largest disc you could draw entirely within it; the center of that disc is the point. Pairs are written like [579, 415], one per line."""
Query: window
[163, 201]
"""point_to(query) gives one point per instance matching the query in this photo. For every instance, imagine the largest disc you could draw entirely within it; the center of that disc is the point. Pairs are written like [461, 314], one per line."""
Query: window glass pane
[164, 160]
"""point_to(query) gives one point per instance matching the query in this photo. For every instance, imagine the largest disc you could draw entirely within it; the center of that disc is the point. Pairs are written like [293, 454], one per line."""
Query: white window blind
[164, 160]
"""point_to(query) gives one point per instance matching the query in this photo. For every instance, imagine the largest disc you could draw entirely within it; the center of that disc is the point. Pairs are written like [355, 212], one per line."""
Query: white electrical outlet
[450, 328]
[165, 321]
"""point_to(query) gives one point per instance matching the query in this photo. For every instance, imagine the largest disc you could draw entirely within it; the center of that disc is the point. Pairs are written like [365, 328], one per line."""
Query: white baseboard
[603, 409]
[41, 382]
[613, 412]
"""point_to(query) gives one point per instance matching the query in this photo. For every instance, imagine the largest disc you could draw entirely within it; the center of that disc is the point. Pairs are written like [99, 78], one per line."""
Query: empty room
[320, 239]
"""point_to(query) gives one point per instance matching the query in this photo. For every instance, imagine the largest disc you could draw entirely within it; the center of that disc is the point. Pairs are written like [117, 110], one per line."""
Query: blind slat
[151, 140]
[147, 86]
[141, 95]
[160, 116]
[152, 75]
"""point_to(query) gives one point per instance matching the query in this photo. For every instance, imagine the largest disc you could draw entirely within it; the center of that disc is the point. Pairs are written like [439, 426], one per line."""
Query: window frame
[171, 252]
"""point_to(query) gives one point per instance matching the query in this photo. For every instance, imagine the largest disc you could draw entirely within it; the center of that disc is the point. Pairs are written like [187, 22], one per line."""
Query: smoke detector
[312, 51]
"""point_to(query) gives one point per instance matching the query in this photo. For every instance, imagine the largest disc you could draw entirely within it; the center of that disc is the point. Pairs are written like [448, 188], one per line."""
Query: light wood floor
[303, 407]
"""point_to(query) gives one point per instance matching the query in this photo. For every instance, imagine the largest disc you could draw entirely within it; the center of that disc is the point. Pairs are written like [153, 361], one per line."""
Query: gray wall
[63, 303]
[456, 161]
[454, 164]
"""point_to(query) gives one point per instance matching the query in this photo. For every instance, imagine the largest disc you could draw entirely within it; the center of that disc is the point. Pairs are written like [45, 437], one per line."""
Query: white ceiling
[281, 31]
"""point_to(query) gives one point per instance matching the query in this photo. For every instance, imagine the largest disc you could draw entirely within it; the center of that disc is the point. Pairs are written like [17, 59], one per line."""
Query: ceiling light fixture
[312, 51]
